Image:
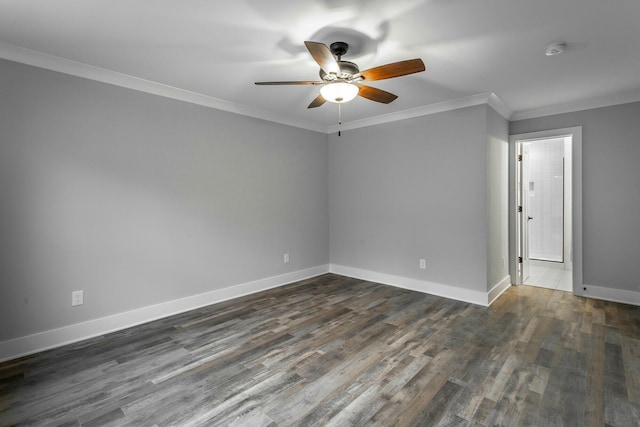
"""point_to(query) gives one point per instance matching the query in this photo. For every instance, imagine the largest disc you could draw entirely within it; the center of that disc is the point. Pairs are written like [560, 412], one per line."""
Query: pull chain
[339, 118]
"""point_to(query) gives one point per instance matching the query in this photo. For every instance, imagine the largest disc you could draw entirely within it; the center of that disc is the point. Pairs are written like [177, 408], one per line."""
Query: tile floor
[549, 277]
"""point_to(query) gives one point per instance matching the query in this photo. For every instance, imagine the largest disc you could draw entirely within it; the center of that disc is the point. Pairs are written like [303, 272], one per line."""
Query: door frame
[576, 199]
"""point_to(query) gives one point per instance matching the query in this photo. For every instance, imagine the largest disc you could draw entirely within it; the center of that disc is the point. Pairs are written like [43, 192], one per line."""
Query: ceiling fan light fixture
[339, 92]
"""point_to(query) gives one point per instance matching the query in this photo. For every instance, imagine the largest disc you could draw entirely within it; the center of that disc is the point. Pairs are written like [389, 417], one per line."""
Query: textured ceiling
[219, 49]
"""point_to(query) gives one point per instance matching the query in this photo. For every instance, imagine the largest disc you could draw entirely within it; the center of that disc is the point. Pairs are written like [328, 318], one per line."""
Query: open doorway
[544, 168]
[547, 168]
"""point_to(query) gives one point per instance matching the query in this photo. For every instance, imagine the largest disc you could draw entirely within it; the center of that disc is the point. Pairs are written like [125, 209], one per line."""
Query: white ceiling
[213, 51]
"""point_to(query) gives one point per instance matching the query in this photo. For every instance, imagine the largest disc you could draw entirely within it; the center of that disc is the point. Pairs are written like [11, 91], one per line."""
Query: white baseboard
[446, 291]
[608, 294]
[45, 340]
[498, 289]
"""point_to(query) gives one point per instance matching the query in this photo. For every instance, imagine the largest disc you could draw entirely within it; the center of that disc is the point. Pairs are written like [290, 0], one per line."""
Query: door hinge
[519, 208]
[519, 157]
[519, 260]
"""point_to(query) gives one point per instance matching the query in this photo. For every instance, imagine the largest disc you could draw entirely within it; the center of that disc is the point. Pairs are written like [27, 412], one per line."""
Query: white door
[523, 213]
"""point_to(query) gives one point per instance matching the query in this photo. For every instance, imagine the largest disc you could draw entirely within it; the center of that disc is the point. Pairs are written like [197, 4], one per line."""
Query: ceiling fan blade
[375, 94]
[317, 102]
[290, 83]
[395, 69]
[323, 57]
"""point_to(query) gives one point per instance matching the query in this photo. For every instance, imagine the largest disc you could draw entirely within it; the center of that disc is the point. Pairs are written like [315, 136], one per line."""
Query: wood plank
[595, 378]
[631, 362]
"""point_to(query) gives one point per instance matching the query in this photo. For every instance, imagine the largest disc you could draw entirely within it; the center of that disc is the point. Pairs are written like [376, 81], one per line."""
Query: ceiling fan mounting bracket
[339, 48]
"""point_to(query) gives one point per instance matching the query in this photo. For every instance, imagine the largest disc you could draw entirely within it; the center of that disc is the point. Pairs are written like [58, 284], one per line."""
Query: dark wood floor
[340, 351]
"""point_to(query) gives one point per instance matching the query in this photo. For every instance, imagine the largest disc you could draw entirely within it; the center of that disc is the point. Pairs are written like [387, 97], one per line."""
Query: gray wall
[610, 190]
[413, 189]
[498, 198]
[138, 199]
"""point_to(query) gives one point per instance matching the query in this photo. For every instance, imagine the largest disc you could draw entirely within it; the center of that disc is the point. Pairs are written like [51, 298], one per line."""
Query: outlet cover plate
[77, 298]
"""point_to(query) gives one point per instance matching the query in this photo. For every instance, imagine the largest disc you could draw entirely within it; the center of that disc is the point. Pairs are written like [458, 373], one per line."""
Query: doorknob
[529, 218]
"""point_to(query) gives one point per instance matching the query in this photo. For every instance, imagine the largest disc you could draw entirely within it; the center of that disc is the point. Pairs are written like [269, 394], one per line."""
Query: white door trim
[576, 198]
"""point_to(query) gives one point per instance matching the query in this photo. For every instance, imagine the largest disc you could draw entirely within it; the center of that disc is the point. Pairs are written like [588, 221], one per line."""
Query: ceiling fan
[342, 80]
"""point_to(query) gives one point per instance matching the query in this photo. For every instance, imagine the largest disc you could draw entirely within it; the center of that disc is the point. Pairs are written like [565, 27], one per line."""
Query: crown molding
[501, 108]
[78, 69]
[482, 98]
[587, 104]
[103, 75]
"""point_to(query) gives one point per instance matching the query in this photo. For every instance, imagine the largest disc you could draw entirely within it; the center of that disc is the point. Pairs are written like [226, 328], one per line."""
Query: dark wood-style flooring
[340, 351]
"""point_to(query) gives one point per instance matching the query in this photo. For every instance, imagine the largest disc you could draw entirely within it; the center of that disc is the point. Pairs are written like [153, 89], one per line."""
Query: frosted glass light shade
[339, 92]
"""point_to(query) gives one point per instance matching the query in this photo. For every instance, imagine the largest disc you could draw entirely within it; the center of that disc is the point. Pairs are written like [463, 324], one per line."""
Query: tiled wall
[546, 199]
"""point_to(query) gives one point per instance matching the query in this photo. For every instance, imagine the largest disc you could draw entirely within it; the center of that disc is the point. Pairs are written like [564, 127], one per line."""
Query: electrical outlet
[423, 264]
[504, 264]
[286, 258]
[77, 298]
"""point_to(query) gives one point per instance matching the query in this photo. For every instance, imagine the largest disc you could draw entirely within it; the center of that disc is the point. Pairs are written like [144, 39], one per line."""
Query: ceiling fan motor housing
[347, 71]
